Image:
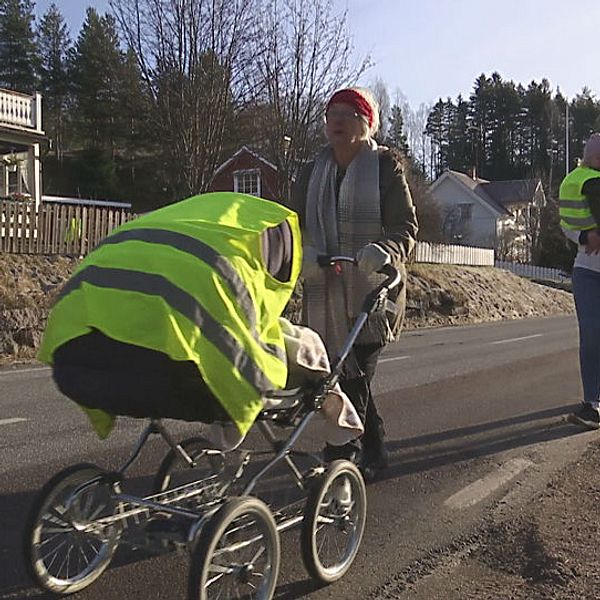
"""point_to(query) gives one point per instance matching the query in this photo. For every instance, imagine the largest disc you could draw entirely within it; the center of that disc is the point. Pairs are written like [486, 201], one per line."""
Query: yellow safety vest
[573, 207]
[188, 280]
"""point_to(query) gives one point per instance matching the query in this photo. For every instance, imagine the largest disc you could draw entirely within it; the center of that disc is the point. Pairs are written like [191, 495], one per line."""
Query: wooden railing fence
[74, 230]
[56, 228]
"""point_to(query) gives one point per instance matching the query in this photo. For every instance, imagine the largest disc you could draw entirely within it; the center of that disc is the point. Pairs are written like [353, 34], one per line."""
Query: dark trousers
[586, 290]
[358, 390]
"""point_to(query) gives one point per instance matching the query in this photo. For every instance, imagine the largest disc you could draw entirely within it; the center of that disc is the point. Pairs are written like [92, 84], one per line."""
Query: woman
[354, 200]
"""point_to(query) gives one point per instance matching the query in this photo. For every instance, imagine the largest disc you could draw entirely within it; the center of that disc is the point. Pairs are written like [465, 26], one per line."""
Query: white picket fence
[449, 254]
[533, 271]
[452, 254]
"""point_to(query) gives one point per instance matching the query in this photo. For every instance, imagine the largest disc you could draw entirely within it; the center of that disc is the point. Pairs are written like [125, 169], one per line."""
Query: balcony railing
[21, 110]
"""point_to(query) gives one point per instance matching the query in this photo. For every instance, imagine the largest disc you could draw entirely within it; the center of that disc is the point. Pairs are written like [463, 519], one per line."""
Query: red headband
[360, 104]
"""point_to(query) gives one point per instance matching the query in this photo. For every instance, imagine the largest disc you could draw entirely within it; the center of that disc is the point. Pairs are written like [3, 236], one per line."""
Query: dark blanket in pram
[121, 379]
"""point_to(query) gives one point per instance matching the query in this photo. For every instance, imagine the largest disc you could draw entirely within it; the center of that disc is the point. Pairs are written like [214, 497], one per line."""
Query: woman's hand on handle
[310, 262]
[371, 258]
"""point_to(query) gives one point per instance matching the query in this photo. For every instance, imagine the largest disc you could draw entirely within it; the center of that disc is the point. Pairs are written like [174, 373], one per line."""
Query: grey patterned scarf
[342, 226]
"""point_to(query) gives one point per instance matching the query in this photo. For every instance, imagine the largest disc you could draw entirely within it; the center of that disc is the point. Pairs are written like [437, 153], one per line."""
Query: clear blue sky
[433, 48]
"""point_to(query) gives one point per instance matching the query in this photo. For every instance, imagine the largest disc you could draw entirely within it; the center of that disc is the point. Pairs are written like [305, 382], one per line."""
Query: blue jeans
[586, 290]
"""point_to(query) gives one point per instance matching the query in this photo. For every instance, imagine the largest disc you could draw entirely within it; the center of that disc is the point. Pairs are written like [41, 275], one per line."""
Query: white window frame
[239, 175]
[461, 207]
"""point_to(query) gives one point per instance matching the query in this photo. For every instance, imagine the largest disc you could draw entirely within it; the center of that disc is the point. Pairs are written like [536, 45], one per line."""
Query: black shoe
[346, 452]
[586, 416]
[373, 463]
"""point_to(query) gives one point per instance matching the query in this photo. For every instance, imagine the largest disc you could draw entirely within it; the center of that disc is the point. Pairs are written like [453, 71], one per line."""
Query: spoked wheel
[237, 554]
[68, 544]
[208, 471]
[334, 521]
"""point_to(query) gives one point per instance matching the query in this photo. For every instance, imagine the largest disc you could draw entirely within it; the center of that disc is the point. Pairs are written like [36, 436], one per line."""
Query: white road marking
[518, 339]
[482, 488]
[11, 421]
[382, 360]
[19, 371]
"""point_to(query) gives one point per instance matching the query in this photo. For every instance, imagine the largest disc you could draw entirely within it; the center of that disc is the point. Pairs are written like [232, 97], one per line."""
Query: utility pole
[566, 137]
[552, 153]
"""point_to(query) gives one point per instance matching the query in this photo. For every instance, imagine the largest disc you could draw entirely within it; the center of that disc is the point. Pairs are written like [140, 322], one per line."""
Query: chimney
[473, 173]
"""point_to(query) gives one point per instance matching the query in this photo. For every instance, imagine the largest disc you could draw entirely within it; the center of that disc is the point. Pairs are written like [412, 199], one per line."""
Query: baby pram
[81, 515]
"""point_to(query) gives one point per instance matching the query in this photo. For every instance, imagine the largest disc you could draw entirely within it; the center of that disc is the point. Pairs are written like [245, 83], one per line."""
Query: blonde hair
[367, 94]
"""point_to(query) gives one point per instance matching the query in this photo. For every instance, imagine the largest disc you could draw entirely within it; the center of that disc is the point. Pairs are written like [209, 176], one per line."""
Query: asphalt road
[471, 412]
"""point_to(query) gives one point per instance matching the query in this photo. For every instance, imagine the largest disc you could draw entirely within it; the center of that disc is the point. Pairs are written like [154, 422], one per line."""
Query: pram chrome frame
[135, 510]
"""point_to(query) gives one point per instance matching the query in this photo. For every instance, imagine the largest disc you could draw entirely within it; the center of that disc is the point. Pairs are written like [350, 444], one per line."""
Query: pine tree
[460, 148]
[536, 128]
[137, 166]
[395, 134]
[96, 72]
[585, 112]
[54, 43]
[437, 130]
[18, 52]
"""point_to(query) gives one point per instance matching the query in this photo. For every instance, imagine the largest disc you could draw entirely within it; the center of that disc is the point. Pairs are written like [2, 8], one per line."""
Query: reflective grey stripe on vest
[196, 248]
[576, 204]
[578, 222]
[187, 305]
[206, 254]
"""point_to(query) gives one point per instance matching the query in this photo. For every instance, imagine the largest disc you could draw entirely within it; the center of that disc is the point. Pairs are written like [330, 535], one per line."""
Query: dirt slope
[437, 295]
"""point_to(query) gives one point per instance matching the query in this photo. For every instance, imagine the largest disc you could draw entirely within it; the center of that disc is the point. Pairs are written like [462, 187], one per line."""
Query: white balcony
[21, 111]
[21, 134]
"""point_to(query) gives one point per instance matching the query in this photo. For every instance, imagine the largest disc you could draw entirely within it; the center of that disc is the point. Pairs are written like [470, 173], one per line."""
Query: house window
[247, 182]
[13, 182]
[466, 212]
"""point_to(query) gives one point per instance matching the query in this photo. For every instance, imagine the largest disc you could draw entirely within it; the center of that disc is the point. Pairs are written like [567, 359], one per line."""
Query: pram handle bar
[394, 277]
[325, 260]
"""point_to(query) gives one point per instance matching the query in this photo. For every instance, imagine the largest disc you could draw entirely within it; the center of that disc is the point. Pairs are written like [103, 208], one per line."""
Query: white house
[21, 134]
[504, 215]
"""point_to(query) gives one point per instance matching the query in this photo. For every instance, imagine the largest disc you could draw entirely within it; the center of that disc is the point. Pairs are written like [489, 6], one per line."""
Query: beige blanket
[307, 362]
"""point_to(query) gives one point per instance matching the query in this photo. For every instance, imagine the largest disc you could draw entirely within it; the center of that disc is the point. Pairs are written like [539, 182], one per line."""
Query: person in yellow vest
[176, 313]
[579, 206]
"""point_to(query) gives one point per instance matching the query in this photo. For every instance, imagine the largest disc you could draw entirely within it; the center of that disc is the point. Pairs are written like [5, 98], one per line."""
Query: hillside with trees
[144, 102]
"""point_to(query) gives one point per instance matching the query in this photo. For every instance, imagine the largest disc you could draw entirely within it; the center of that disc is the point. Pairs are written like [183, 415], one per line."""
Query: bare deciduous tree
[305, 54]
[379, 89]
[193, 57]
[415, 122]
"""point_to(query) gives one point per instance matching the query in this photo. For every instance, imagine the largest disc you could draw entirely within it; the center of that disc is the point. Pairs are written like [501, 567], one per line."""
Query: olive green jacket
[399, 219]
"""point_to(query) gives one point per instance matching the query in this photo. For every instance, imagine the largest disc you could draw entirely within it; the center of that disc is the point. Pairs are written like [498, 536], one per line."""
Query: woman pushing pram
[177, 315]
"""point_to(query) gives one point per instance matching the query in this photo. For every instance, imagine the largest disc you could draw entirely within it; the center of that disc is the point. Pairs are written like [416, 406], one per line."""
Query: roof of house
[499, 195]
[249, 151]
[514, 191]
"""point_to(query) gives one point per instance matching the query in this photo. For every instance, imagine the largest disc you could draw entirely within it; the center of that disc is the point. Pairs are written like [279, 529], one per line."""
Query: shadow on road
[276, 489]
[408, 456]
[14, 509]
[430, 451]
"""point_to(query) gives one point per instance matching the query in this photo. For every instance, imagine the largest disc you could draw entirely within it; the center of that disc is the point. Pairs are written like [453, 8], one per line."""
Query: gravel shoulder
[543, 549]
[437, 295]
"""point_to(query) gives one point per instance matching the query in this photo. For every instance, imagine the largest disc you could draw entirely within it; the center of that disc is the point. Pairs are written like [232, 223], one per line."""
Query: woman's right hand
[310, 264]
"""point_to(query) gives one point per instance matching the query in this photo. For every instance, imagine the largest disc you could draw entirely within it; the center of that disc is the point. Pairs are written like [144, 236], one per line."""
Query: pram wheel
[68, 542]
[237, 553]
[334, 521]
[207, 471]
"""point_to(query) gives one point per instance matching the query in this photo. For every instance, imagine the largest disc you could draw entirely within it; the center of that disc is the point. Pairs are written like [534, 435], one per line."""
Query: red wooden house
[247, 172]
